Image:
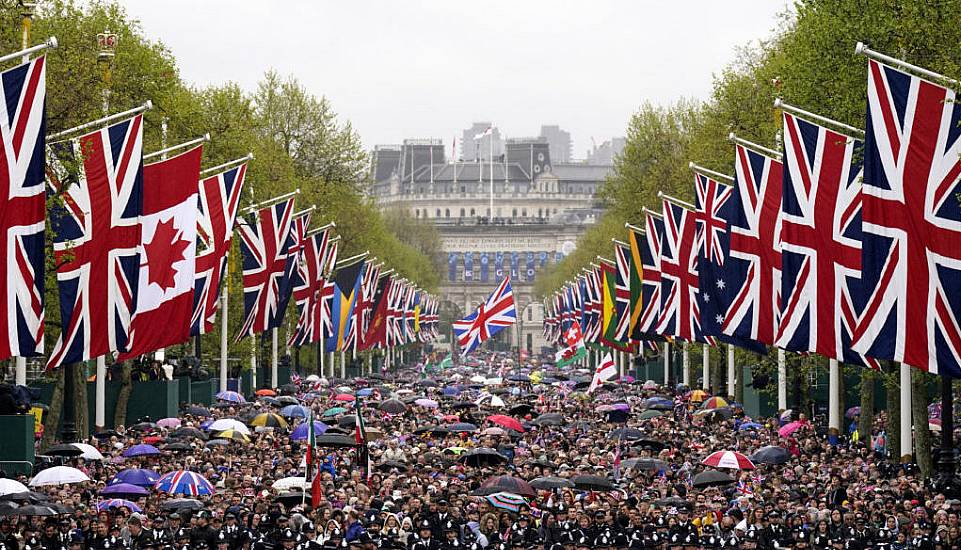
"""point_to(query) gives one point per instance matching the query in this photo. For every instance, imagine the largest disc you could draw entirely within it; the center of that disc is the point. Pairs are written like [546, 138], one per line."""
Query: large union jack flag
[217, 213]
[680, 282]
[755, 261]
[265, 246]
[820, 241]
[307, 289]
[22, 208]
[650, 251]
[911, 261]
[97, 243]
[491, 317]
[622, 292]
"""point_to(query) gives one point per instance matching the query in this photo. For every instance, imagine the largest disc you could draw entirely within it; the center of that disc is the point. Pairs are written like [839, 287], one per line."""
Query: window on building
[463, 188]
[472, 212]
[447, 212]
[437, 214]
[530, 314]
[524, 212]
[462, 212]
[514, 213]
[417, 213]
[540, 213]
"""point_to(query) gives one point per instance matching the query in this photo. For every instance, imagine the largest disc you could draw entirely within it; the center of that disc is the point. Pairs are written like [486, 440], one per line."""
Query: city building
[475, 145]
[604, 154]
[559, 141]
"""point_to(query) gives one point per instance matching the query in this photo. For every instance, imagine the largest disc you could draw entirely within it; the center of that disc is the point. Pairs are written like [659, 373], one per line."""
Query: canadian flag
[605, 371]
[169, 240]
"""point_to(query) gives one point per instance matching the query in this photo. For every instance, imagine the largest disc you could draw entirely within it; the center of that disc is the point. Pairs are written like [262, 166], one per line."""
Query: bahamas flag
[347, 282]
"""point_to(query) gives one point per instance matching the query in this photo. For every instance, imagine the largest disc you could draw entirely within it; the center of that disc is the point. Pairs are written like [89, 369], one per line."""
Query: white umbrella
[497, 402]
[89, 451]
[478, 379]
[288, 483]
[10, 486]
[229, 424]
[312, 378]
[58, 475]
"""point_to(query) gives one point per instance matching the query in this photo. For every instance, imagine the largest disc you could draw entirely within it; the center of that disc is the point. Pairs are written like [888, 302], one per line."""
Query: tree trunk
[123, 397]
[892, 426]
[81, 407]
[739, 381]
[51, 420]
[919, 415]
[841, 392]
[866, 422]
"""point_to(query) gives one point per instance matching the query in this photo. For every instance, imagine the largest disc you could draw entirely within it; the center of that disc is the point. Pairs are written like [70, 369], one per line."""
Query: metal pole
[223, 338]
[907, 448]
[667, 363]
[50, 43]
[20, 363]
[100, 414]
[253, 359]
[320, 354]
[490, 161]
[103, 120]
[331, 364]
[834, 398]
[273, 358]
[730, 370]
[686, 364]
[947, 482]
[706, 366]
[343, 365]
[781, 381]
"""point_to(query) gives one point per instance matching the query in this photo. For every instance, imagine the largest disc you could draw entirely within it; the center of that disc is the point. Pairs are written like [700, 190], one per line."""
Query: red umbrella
[343, 397]
[728, 459]
[511, 484]
[507, 422]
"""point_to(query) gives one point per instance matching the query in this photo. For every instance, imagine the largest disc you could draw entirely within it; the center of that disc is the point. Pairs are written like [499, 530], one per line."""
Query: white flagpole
[100, 414]
[907, 448]
[706, 366]
[730, 370]
[343, 364]
[834, 398]
[490, 140]
[686, 364]
[223, 338]
[781, 380]
[273, 358]
[667, 363]
[253, 359]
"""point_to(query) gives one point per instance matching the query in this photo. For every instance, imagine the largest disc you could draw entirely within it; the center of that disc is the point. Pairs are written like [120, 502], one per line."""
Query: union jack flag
[622, 292]
[490, 318]
[755, 261]
[324, 311]
[651, 261]
[680, 282]
[219, 201]
[911, 262]
[394, 303]
[265, 245]
[307, 288]
[97, 243]
[820, 241]
[364, 306]
[22, 208]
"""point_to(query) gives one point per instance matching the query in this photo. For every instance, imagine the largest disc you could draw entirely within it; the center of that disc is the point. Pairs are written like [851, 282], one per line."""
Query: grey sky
[418, 68]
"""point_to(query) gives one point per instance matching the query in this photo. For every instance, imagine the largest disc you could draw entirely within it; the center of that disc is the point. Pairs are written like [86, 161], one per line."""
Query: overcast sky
[417, 68]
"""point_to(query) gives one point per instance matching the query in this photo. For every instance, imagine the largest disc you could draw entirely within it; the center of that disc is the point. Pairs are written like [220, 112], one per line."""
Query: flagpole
[706, 366]
[667, 363]
[781, 380]
[248, 157]
[223, 338]
[862, 49]
[25, 52]
[100, 390]
[490, 141]
[730, 370]
[834, 398]
[253, 359]
[343, 364]
[273, 357]
[163, 152]
[907, 448]
[686, 364]
[103, 120]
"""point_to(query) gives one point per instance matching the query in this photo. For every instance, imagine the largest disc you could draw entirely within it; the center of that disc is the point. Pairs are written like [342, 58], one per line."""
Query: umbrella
[64, 450]
[393, 406]
[649, 414]
[216, 443]
[141, 450]
[265, 392]
[136, 476]
[482, 456]
[788, 429]
[196, 410]
[672, 502]
[459, 427]
[288, 400]
[750, 426]
[521, 409]
[617, 415]
[649, 385]
[188, 431]
[511, 484]
[652, 444]
[771, 454]
[300, 431]
[344, 397]
[699, 395]
[852, 412]
[714, 403]
[269, 420]
[229, 424]
[106, 434]
[728, 459]
[181, 505]
[334, 411]
[494, 430]
[32, 510]
[143, 427]
[550, 482]
[659, 404]
[169, 423]
[549, 419]
[295, 411]
[58, 475]
[233, 435]
[10, 486]
[426, 403]
[184, 482]
[786, 415]
[592, 483]
[88, 452]
[335, 440]
[651, 464]
[507, 422]
[31, 497]
[124, 490]
[390, 465]
[288, 483]
[711, 478]
[118, 503]
[231, 397]
[629, 434]
[716, 414]
[270, 401]
[506, 501]
[464, 405]
[426, 383]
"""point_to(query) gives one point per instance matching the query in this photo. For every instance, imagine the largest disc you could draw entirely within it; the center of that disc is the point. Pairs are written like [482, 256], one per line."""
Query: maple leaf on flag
[161, 252]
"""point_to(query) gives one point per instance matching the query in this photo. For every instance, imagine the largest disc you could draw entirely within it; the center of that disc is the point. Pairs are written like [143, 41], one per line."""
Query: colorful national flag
[573, 347]
[491, 317]
[604, 372]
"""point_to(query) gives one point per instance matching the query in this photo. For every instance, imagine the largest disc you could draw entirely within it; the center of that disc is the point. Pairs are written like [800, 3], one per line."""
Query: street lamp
[107, 42]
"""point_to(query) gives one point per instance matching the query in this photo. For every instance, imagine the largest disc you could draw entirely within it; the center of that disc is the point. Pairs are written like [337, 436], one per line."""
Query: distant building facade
[604, 154]
[474, 145]
[540, 208]
[559, 141]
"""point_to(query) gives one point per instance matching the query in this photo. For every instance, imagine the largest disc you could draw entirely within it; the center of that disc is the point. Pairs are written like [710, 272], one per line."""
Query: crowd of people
[488, 454]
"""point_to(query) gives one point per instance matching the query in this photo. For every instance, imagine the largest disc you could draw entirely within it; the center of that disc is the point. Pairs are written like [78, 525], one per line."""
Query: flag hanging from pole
[605, 371]
[573, 350]
[23, 208]
[491, 317]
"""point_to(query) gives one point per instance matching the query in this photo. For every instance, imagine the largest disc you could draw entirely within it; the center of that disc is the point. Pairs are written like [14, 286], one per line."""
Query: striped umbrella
[728, 459]
[714, 403]
[269, 419]
[506, 501]
[232, 435]
[182, 482]
[118, 503]
[231, 397]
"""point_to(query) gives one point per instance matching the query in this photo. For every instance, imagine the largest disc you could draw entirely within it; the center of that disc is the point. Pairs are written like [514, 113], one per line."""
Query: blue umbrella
[136, 476]
[364, 392]
[300, 432]
[295, 411]
[124, 490]
[231, 397]
[750, 426]
[141, 450]
[451, 390]
[183, 482]
[118, 503]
